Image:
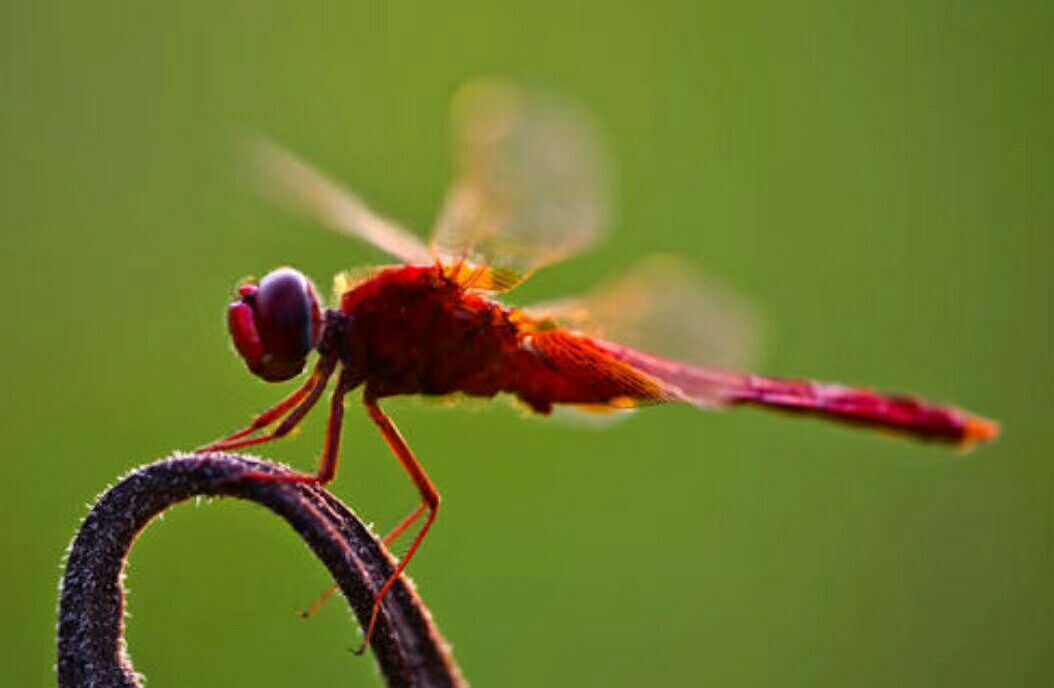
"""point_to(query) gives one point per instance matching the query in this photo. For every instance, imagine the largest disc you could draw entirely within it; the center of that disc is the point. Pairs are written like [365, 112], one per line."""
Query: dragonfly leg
[388, 540]
[429, 500]
[320, 602]
[296, 405]
[327, 468]
[398, 530]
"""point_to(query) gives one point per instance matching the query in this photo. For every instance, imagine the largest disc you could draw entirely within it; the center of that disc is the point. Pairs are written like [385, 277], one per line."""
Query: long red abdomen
[897, 413]
[903, 414]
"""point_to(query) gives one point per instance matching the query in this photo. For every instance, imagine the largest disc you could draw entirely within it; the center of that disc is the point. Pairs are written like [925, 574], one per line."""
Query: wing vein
[293, 183]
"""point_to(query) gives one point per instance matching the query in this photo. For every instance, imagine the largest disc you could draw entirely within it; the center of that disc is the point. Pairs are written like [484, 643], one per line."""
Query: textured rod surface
[91, 646]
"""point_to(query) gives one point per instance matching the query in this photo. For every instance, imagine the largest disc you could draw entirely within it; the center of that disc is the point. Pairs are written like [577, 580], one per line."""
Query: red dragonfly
[529, 193]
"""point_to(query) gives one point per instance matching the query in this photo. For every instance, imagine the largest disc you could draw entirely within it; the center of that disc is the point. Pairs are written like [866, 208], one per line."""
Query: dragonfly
[529, 192]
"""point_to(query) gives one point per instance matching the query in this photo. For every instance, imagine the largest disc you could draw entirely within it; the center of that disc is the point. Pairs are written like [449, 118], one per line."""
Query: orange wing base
[558, 367]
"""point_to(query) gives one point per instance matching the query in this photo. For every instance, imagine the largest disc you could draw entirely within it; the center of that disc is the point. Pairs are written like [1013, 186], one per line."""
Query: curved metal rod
[91, 645]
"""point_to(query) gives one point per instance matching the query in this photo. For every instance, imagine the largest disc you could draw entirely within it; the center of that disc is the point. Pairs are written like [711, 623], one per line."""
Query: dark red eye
[275, 324]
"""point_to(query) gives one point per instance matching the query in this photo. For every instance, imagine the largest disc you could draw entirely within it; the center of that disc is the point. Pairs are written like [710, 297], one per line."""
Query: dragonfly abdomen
[896, 413]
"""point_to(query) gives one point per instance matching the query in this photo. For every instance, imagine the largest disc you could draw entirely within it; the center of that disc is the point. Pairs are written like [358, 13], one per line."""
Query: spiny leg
[301, 401]
[398, 530]
[319, 603]
[429, 496]
[280, 409]
[391, 537]
[327, 468]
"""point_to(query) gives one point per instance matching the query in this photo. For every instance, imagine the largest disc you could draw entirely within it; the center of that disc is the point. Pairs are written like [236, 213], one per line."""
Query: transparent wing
[295, 184]
[707, 388]
[662, 307]
[529, 190]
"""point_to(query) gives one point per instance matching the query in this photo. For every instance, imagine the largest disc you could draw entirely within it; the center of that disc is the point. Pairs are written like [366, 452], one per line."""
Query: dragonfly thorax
[413, 330]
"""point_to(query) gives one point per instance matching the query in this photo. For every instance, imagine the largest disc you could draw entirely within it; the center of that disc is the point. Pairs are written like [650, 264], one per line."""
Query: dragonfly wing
[704, 387]
[285, 178]
[616, 377]
[585, 372]
[529, 190]
[664, 308]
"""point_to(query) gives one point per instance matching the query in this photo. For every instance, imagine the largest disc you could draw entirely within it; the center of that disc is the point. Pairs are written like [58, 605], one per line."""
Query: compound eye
[242, 324]
[275, 324]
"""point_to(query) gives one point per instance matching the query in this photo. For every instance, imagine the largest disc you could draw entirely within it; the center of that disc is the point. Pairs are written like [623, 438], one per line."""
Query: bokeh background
[877, 177]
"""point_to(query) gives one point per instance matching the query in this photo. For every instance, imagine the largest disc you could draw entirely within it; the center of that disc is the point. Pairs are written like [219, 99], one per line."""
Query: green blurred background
[878, 179]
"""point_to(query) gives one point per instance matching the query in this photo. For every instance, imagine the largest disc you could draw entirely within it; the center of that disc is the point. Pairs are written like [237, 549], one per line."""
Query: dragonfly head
[275, 324]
